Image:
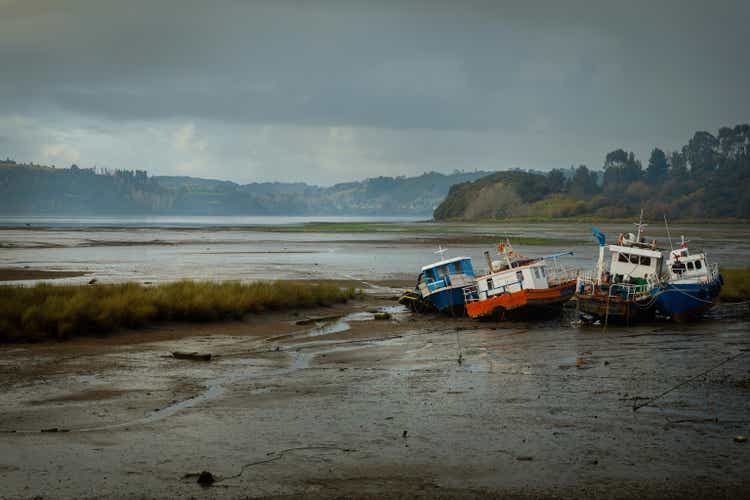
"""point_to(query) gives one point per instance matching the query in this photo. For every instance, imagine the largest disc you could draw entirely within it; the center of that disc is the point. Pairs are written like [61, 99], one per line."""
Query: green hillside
[705, 179]
[27, 189]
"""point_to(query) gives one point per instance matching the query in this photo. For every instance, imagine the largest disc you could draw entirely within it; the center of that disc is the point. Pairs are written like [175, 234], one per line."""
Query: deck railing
[454, 280]
[555, 276]
[586, 285]
[497, 290]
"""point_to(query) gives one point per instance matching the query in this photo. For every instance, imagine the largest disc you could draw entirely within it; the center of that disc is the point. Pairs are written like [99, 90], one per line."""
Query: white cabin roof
[443, 262]
[635, 251]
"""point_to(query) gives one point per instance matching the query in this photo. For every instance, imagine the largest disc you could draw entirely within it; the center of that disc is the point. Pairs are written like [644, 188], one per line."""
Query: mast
[507, 257]
[440, 251]
[669, 236]
[640, 225]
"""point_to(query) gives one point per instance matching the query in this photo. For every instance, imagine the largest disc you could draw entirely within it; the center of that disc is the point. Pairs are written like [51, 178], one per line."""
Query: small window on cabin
[645, 261]
[634, 259]
[442, 271]
[519, 275]
[690, 266]
[536, 273]
[684, 253]
[623, 257]
[698, 264]
[457, 268]
[489, 284]
[541, 270]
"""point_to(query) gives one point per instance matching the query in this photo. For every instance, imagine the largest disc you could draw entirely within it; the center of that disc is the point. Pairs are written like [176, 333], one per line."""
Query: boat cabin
[682, 264]
[631, 263]
[449, 273]
[509, 280]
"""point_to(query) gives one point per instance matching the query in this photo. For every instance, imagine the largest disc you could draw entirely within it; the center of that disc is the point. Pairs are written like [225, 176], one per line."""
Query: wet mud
[350, 406]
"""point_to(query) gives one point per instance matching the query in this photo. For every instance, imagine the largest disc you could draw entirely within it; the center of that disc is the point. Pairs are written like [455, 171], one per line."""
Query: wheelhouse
[630, 263]
[457, 271]
[684, 265]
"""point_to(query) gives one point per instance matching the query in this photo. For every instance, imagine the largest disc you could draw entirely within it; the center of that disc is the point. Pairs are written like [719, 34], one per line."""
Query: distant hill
[32, 190]
[708, 178]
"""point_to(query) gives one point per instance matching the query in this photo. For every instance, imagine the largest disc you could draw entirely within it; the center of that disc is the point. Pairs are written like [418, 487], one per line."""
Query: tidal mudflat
[114, 251]
[333, 402]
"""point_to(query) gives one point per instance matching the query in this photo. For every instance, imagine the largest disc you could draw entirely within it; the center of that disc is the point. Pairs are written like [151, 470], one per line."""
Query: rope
[651, 400]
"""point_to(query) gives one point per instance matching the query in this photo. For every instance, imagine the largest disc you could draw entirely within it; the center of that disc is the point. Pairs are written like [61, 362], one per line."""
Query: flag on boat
[598, 235]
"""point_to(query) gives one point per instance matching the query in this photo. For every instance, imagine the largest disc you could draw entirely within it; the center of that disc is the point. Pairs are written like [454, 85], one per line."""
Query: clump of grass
[736, 285]
[54, 311]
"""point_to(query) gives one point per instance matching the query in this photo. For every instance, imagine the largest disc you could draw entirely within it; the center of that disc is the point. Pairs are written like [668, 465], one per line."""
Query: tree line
[706, 178]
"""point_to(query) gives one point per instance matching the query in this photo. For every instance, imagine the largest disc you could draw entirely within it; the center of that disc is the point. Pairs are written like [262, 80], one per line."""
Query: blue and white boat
[442, 283]
[692, 287]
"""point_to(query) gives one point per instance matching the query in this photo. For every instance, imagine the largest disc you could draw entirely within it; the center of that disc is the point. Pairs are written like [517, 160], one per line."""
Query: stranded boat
[519, 284]
[624, 293]
[441, 284]
[692, 287]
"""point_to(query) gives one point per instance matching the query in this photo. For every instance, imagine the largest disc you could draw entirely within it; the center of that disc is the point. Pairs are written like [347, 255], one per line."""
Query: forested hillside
[27, 189]
[707, 178]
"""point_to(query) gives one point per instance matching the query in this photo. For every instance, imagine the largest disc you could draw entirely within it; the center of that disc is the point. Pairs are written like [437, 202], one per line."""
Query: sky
[332, 91]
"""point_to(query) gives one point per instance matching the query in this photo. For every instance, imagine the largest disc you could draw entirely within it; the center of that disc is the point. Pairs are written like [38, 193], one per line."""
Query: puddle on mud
[248, 370]
[342, 324]
[339, 325]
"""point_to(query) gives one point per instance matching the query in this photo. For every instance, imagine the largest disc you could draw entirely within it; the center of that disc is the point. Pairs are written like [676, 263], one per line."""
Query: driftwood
[191, 356]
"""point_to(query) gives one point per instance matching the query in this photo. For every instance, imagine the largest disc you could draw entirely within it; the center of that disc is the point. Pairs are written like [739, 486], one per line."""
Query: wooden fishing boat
[623, 293]
[692, 287]
[518, 285]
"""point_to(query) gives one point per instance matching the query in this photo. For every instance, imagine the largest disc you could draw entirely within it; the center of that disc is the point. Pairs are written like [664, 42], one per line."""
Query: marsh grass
[54, 311]
[736, 286]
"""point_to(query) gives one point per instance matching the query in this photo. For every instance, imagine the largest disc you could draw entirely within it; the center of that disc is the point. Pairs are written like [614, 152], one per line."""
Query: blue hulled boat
[442, 283]
[692, 288]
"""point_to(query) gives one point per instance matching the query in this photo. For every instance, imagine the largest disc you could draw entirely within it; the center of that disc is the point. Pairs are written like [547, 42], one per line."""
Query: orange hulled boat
[517, 284]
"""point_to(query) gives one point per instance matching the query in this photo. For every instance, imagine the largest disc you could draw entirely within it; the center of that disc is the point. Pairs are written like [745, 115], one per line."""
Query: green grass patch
[736, 285]
[63, 311]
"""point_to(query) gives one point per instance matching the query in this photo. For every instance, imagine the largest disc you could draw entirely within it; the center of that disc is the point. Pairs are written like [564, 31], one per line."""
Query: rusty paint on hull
[615, 309]
[531, 297]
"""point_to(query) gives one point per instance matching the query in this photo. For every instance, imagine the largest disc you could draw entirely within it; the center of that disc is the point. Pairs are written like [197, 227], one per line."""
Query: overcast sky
[328, 91]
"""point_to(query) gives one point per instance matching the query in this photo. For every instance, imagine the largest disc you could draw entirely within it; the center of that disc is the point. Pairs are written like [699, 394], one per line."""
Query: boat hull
[687, 301]
[448, 299]
[520, 301]
[616, 309]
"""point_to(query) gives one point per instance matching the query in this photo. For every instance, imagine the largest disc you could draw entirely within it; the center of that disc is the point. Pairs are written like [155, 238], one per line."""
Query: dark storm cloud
[392, 64]
[617, 73]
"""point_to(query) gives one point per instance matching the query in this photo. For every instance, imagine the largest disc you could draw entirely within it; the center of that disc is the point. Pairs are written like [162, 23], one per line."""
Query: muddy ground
[410, 406]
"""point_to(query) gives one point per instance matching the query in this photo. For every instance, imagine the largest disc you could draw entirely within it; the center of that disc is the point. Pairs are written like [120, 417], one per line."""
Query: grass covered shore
[736, 286]
[63, 311]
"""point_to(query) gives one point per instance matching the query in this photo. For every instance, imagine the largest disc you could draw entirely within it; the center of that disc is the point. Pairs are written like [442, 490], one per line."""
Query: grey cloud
[603, 74]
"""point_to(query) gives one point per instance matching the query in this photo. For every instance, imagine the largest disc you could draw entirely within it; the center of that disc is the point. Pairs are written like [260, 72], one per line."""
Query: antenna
[640, 225]
[440, 251]
[666, 224]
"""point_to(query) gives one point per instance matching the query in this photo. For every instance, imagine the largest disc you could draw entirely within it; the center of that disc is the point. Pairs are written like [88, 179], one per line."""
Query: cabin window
[442, 271]
[519, 276]
[684, 253]
[457, 268]
[690, 266]
[623, 257]
[536, 273]
[541, 270]
[645, 261]
[634, 259]
[490, 286]
[698, 264]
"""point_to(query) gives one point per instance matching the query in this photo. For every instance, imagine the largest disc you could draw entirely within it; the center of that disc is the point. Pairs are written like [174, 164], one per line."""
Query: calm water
[169, 248]
[185, 221]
